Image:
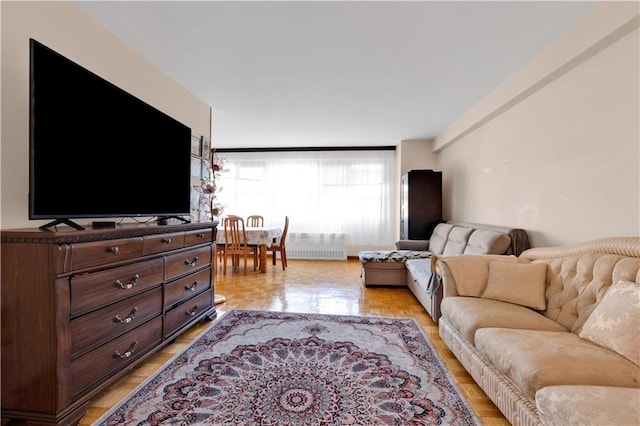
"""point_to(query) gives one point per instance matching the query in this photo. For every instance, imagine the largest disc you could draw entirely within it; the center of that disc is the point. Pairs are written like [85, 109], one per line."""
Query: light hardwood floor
[329, 287]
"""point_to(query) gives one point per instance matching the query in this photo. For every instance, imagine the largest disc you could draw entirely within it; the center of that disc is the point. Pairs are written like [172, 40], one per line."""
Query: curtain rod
[306, 148]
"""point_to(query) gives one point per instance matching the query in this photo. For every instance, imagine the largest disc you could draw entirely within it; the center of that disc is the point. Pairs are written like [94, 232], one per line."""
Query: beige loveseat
[551, 336]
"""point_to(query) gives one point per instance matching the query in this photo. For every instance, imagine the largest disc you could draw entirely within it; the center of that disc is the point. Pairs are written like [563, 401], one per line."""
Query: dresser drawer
[103, 325]
[199, 236]
[114, 356]
[181, 315]
[90, 291]
[187, 261]
[187, 287]
[87, 255]
[152, 244]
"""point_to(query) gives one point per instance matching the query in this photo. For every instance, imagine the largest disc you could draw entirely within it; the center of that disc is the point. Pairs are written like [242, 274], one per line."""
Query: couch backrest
[439, 237]
[519, 237]
[457, 241]
[456, 237]
[482, 241]
[578, 276]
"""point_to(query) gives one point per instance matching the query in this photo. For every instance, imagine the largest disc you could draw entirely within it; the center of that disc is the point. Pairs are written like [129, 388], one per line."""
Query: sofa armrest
[447, 279]
[421, 245]
[466, 275]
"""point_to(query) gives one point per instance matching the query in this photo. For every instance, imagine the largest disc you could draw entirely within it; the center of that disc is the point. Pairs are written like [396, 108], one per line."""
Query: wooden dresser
[81, 308]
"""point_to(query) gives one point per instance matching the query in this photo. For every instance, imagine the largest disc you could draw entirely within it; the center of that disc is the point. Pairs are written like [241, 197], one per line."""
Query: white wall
[412, 154]
[556, 148]
[69, 31]
[416, 154]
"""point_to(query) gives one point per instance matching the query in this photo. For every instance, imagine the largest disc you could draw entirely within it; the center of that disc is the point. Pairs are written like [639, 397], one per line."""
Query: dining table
[261, 236]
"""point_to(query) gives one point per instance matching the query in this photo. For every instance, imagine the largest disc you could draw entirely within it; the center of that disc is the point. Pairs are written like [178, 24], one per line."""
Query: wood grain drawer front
[187, 261]
[90, 291]
[152, 244]
[189, 311]
[115, 355]
[199, 236]
[87, 255]
[101, 326]
[187, 287]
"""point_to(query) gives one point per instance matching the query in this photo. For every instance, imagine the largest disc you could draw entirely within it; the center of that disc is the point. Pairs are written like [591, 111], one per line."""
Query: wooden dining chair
[235, 244]
[220, 246]
[279, 245]
[255, 220]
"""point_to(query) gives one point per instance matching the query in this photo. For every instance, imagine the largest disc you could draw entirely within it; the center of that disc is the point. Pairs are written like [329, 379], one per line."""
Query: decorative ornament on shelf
[217, 209]
[204, 204]
[206, 189]
[218, 164]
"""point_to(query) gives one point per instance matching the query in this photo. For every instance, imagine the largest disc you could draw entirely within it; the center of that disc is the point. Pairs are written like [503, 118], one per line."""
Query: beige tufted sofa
[551, 336]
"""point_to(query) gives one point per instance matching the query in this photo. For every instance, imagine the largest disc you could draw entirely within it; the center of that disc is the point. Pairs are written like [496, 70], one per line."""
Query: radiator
[316, 246]
[324, 238]
[316, 252]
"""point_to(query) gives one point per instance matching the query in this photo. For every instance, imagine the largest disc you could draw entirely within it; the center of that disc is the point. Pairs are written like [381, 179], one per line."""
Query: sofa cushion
[469, 273]
[468, 314]
[520, 283]
[588, 405]
[534, 359]
[420, 270]
[482, 241]
[615, 322]
[457, 241]
[439, 237]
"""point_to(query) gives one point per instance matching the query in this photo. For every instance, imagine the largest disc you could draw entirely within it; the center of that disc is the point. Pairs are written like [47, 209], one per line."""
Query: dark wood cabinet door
[420, 204]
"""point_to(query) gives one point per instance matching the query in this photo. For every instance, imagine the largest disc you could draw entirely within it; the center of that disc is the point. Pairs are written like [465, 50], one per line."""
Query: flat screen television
[97, 151]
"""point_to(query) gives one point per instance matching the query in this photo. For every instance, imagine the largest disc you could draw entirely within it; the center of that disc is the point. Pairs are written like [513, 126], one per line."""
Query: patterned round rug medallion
[274, 368]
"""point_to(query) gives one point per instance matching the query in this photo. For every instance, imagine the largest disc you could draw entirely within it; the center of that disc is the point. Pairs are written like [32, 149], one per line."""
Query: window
[324, 193]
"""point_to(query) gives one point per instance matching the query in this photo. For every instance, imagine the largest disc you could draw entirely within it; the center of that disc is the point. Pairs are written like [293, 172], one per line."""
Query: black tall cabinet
[420, 204]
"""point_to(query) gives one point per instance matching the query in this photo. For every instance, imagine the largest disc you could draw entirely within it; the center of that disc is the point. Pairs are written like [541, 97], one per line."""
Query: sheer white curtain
[326, 194]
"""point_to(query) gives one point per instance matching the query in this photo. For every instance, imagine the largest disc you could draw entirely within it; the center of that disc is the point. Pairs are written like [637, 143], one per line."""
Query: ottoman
[387, 267]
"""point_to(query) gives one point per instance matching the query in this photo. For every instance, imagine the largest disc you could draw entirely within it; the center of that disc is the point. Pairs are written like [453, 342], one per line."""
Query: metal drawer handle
[113, 250]
[200, 235]
[128, 319]
[192, 288]
[134, 281]
[192, 312]
[192, 263]
[166, 240]
[128, 353]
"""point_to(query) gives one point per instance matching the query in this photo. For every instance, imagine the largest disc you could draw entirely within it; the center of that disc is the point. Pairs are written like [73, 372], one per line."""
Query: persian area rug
[276, 368]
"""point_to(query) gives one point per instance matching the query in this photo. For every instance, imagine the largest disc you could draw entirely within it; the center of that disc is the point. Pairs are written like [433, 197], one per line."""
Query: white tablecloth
[262, 235]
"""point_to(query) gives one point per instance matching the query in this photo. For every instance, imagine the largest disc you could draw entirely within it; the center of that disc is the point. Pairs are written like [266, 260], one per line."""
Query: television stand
[64, 222]
[164, 220]
[73, 283]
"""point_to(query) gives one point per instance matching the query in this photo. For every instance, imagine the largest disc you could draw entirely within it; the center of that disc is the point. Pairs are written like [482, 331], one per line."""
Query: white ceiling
[328, 73]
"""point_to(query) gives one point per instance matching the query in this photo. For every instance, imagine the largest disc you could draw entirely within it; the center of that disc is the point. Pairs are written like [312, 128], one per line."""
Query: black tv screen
[97, 151]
